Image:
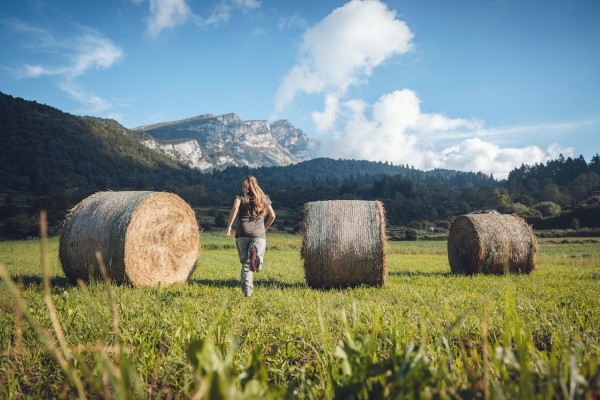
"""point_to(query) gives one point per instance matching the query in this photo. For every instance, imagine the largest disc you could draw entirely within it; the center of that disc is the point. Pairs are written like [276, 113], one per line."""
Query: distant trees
[563, 191]
[562, 181]
[548, 209]
[411, 234]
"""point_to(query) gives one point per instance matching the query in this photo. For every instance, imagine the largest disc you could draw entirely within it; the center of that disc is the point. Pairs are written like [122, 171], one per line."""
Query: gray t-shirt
[247, 225]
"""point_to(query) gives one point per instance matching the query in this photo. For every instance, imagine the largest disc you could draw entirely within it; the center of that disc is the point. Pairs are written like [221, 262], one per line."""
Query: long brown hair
[257, 199]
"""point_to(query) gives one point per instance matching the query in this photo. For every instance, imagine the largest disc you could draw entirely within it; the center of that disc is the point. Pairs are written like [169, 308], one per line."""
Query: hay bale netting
[145, 238]
[344, 243]
[491, 243]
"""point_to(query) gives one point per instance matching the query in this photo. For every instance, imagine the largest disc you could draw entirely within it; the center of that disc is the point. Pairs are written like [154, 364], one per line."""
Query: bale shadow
[219, 283]
[421, 274]
[36, 280]
[270, 282]
[235, 283]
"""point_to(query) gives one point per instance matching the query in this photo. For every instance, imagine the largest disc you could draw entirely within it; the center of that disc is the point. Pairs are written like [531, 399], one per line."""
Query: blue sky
[470, 85]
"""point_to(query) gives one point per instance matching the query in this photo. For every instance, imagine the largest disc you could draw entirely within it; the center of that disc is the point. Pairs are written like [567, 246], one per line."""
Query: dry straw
[491, 243]
[344, 243]
[144, 238]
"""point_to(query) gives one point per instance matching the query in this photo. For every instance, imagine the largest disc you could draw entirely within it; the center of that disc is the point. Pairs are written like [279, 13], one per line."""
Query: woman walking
[253, 206]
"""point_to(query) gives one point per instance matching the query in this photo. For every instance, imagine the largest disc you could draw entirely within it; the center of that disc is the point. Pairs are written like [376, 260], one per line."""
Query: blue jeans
[243, 247]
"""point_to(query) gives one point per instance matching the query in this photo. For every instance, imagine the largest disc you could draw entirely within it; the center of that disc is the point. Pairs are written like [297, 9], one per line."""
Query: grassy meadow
[425, 334]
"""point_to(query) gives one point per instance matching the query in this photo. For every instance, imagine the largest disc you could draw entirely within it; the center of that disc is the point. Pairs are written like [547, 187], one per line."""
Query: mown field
[425, 334]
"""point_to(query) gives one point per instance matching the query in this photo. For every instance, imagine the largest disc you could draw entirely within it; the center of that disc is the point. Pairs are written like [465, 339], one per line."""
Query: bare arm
[271, 219]
[233, 214]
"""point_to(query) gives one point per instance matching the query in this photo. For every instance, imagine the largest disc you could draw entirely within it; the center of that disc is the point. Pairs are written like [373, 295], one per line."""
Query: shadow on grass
[36, 280]
[220, 283]
[420, 274]
[258, 282]
[28, 281]
[273, 283]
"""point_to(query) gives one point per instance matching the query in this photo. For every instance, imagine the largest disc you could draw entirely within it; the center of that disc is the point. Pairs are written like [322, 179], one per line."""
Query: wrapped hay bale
[144, 238]
[491, 243]
[344, 243]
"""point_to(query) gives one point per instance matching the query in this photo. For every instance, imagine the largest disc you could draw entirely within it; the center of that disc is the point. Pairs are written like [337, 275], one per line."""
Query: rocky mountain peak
[292, 138]
[207, 142]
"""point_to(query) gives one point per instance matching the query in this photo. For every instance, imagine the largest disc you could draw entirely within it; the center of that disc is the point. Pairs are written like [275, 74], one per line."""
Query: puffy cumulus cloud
[395, 132]
[384, 137]
[344, 48]
[477, 155]
[324, 120]
[400, 132]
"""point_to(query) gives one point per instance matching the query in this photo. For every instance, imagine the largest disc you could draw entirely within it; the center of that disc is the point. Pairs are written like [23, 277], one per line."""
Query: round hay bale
[344, 243]
[491, 243]
[144, 238]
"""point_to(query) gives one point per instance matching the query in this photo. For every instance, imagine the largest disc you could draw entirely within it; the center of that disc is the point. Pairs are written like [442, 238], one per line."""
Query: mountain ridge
[166, 123]
[209, 142]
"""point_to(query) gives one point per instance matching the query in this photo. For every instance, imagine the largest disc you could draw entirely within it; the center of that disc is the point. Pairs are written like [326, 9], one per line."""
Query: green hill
[42, 148]
[51, 159]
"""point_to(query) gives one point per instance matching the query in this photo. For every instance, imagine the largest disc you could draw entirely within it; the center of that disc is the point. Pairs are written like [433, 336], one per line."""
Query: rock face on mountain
[209, 142]
[292, 138]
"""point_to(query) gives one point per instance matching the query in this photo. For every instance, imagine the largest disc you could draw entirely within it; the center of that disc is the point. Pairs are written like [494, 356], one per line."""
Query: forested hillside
[331, 177]
[563, 193]
[42, 148]
[51, 159]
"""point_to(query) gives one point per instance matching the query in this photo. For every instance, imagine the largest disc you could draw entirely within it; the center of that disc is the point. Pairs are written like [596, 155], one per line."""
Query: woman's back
[250, 224]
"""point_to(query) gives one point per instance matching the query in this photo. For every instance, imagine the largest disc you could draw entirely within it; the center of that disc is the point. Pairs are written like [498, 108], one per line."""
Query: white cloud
[324, 120]
[294, 21]
[79, 53]
[540, 129]
[40, 38]
[169, 14]
[33, 71]
[400, 132]
[221, 13]
[93, 52]
[344, 48]
[73, 55]
[384, 137]
[554, 151]
[247, 4]
[93, 104]
[477, 155]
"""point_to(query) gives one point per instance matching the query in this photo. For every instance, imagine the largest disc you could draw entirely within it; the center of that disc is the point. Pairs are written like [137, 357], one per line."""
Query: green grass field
[425, 334]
